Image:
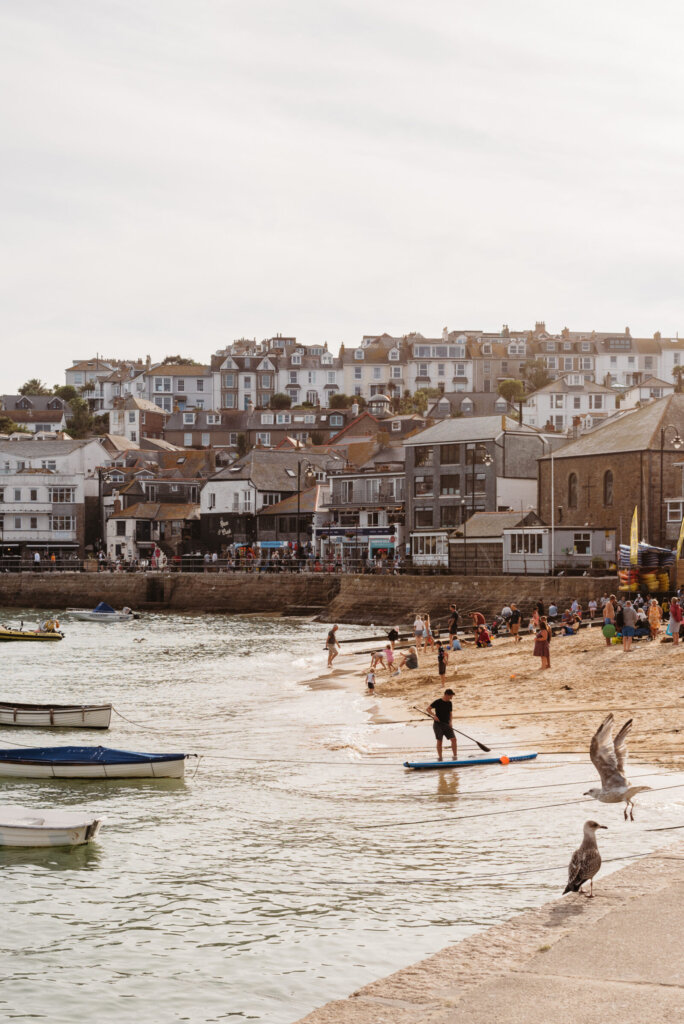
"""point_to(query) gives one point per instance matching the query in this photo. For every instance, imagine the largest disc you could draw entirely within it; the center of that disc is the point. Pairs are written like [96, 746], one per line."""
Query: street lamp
[309, 481]
[676, 443]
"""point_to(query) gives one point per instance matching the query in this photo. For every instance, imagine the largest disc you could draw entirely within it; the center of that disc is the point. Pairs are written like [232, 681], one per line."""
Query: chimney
[354, 410]
[445, 334]
[250, 407]
[148, 362]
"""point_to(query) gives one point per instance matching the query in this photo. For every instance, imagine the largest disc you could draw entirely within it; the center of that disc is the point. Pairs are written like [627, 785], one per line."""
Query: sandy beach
[502, 690]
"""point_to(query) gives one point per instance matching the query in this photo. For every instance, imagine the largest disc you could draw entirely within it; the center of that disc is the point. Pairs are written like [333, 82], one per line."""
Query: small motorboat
[103, 613]
[56, 716]
[29, 826]
[90, 763]
[48, 630]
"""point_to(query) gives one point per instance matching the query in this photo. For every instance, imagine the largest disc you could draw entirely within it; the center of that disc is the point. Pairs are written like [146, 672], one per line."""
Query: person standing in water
[332, 646]
[441, 713]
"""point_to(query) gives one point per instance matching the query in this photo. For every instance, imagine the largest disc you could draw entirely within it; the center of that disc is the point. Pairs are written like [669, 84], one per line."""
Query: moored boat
[89, 763]
[56, 716]
[28, 826]
[103, 613]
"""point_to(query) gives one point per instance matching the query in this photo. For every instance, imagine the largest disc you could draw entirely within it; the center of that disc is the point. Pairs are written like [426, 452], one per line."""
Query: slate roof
[465, 428]
[490, 525]
[560, 386]
[309, 502]
[267, 468]
[159, 511]
[38, 403]
[43, 449]
[484, 403]
[631, 431]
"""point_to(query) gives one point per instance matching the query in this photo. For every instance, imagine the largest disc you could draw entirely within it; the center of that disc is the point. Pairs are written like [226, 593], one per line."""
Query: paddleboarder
[441, 712]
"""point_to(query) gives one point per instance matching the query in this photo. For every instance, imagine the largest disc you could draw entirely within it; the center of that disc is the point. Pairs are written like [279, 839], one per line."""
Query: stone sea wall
[351, 599]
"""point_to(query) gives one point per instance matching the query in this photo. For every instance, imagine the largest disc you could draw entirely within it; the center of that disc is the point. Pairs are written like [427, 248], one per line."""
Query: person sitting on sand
[483, 637]
[410, 659]
[441, 713]
[571, 626]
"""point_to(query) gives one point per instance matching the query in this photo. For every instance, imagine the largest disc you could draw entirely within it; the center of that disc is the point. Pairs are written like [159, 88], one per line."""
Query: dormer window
[296, 359]
[486, 349]
[358, 354]
[396, 425]
[393, 354]
[188, 418]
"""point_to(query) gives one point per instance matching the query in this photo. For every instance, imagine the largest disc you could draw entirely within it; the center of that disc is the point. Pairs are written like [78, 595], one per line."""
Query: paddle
[487, 750]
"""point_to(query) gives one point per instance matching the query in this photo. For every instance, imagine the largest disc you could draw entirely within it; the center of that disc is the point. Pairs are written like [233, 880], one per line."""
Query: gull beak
[603, 826]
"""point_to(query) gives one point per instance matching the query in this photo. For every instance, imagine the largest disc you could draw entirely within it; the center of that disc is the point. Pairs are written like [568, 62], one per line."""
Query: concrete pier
[615, 958]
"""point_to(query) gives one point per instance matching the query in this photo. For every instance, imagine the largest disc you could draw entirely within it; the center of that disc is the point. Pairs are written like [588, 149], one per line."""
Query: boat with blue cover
[103, 612]
[90, 763]
[473, 762]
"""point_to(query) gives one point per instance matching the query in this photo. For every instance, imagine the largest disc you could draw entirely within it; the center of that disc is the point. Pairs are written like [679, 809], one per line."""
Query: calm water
[249, 891]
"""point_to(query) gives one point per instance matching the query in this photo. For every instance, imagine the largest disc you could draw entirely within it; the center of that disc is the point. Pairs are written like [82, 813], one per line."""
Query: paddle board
[471, 763]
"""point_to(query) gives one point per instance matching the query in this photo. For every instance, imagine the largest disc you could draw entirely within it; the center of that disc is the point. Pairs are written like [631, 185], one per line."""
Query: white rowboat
[56, 716]
[28, 826]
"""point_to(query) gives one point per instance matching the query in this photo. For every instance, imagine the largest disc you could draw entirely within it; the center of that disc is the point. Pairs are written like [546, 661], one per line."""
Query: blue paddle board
[472, 763]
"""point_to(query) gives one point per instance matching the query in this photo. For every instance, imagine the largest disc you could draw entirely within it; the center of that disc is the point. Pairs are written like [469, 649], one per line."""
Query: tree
[81, 423]
[280, 401]
[242, 445]
[8, 426]
[512, 390]
[535, 374]
[677, 373]
[179, 361]
[65, 391]
[317, 437]
[34, 387]
[417, 402]
[339, 400]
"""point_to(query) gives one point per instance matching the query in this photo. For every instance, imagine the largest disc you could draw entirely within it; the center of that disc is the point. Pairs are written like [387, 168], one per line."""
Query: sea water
[254, 889]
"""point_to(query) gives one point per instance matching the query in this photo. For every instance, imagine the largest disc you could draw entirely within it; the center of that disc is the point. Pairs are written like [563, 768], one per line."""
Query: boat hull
[46, 835]
[475, 762]
[65, 716]
[174, 769]
[19, 634]
[100, 616]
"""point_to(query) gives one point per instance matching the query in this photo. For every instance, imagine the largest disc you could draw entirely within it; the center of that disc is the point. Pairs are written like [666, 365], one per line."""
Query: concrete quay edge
[615, 958]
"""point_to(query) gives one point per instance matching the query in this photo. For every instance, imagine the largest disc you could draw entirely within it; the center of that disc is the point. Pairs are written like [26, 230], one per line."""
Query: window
[312, 398]
[199, 385]
[336, 421]
[422, 485]
[595, 401]
[557, 401]
[526, 543]
[232, 438]
[423, 517]
[264, 439]
[377, 372]
[372, 518]
[34, 523]
[572, 490]
[396, 425]
[309, 417]
[62, 524]
[211, 500]
[675, 511]
[180, 384]
[121, 527]
[206, 440]
[58, 495]
[449, 515]
[358, 354]
[266, 380]
[246, 382]
[393, 354]
[423, 455]
[283, 417]
[17, 494]
[187, 440]
[228, 380]
[450, 483]
[582, 543]
[188, 418]
[296, 359]
[163, 401]
[17, 522]
[347, 490]
[423, 370]
[213, 419]
[131, 417]
[551, 363]
[395, 372]
[162, 383]
[229, 401]
[449, 454]
[33, 495]
[45, 464]
[357, 373]
[332, 377]
[608, 487]
[294, 378]
[270, 498]
[576, 402]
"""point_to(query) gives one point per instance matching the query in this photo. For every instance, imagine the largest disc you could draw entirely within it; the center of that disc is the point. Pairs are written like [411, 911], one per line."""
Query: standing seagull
[608, 757]
[585, 861]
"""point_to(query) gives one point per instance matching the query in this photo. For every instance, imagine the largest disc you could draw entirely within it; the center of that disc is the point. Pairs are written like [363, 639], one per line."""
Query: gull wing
[606, 760]
[621, 745]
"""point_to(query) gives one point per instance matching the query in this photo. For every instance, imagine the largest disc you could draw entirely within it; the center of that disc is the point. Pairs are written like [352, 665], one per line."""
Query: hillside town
[512, 451]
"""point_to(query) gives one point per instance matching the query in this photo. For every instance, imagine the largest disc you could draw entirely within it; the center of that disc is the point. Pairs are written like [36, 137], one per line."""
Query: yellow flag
[634, 539]
[681, 540]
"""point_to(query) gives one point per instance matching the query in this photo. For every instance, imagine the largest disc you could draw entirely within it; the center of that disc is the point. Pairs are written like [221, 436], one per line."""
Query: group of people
[640, 618]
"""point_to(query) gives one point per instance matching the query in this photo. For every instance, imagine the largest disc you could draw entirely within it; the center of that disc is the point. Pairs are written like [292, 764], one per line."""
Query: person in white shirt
[418, 627]
[592, 608]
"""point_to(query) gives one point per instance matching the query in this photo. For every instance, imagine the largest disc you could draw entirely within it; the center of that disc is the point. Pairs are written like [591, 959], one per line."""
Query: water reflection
[53, 858]
[447, 785]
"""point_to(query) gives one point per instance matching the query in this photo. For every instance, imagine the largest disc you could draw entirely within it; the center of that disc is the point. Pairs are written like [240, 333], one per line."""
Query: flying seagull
[608, 757]
[585, 861]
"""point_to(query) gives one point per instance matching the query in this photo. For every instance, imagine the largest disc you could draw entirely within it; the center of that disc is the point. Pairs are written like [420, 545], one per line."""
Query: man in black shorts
[441, 711]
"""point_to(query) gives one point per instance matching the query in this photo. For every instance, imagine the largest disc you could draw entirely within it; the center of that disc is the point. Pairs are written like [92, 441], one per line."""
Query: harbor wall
[350, 599]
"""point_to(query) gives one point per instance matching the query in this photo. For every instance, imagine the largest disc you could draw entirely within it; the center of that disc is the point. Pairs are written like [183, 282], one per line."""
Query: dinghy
[473, 762]
[28, 826]
[56, 716]
[103, 613]
[90, 763]
[47, 631]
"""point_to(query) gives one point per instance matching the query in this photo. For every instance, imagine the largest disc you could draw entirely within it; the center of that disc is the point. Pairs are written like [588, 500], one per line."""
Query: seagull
[608, 757]
[585, 861]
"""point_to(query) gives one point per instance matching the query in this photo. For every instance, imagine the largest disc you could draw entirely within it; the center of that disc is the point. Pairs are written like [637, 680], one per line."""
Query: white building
[646, 390]
[180, 387]
[439, 363]
[569, 401]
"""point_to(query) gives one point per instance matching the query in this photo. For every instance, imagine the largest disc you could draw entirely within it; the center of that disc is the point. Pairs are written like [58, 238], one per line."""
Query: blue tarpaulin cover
[83, 755]
[103, 607]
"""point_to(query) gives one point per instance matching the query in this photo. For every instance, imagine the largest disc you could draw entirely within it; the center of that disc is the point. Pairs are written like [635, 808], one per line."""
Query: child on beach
[370, 680]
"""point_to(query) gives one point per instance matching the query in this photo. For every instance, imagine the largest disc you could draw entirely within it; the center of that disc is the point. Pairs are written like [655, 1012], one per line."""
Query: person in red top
[676, 615]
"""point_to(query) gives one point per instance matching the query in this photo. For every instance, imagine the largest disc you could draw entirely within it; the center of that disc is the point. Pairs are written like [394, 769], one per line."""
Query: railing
[231, 566]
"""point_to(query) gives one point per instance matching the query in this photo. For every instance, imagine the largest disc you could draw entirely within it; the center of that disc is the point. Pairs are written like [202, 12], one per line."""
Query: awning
[383, 542]
[272, 543]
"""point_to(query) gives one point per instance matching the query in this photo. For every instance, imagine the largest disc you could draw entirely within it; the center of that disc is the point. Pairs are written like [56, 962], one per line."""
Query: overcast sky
[179, 173]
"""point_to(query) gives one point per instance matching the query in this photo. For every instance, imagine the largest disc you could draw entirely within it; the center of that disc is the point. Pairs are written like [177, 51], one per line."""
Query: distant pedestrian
[442, 658]
[514, 622]
[541, 644]
[427, 633]
[540, 608]
[553, 612]
[441, 712]
[332, 646]
[453, 622]
[609, 611]
[655, 616]
[675, 619]
[418, 626]
[629, 621]
[393, 636]
[36, 561]
[592, 608]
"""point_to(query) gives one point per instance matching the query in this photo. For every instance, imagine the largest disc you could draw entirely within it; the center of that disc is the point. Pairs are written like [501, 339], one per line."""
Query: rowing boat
[473, 762]
[56, 716]
[90, 763]
[28, 826]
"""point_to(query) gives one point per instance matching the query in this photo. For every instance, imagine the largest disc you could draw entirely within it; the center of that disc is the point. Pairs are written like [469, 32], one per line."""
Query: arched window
[572, 490]
[608, 487]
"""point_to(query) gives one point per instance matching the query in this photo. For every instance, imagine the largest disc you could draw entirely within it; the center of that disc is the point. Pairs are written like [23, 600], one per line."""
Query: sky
[175, 175]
